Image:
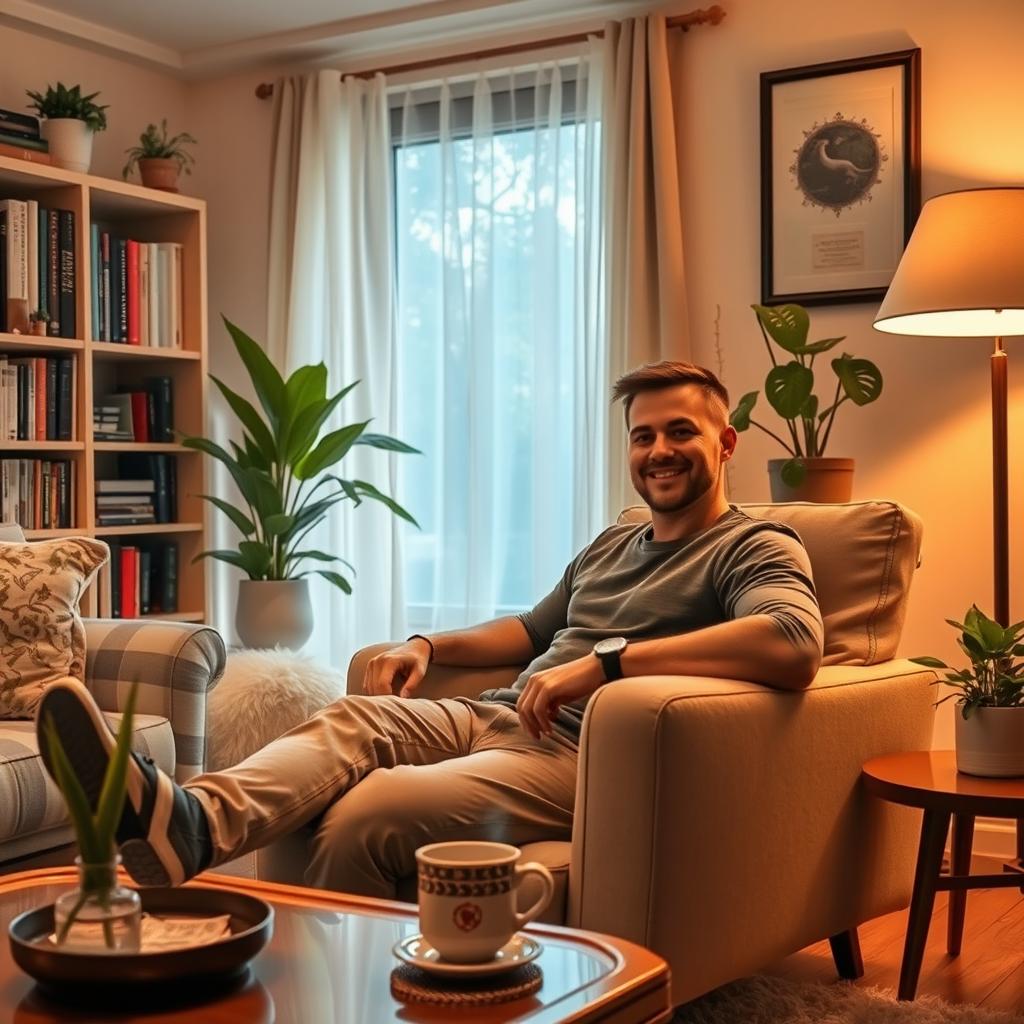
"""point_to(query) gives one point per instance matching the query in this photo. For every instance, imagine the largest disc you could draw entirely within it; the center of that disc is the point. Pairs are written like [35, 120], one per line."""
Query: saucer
[519, 950]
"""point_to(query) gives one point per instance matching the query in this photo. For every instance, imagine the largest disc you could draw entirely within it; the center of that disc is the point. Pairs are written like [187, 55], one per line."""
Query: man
[703, 590]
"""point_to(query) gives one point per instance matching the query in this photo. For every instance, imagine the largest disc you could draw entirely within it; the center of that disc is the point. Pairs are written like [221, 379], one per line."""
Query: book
[129, 571]
[105, 286]
[131, 269]
[125, 486]
[95, 270]
[32, 253]
[161, 392]
[42, 247]
[67, 274]
[51, 365]
[21, 121]
[39, 145]
[20, 152]
[53, 273]
[115, 578]
[16, 258]
[65, 387]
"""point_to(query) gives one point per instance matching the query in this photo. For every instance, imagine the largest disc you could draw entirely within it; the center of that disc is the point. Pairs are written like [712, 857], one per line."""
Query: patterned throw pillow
[41, 634]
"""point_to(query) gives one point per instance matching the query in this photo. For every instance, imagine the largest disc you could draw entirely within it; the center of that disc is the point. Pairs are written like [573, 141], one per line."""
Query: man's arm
[753, 648]
[502, 641]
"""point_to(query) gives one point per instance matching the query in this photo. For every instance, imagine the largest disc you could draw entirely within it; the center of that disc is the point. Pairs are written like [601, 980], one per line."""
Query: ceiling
[202, 38]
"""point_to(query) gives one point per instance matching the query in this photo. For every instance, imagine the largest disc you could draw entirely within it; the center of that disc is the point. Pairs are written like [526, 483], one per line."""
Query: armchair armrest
[698, 794]
[440, 680]
[174, 663]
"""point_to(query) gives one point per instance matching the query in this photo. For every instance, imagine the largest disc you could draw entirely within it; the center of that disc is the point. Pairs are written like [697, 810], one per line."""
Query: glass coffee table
[330, 960]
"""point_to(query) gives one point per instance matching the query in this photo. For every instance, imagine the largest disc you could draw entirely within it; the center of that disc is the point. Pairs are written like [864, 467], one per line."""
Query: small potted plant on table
[990, 726]
[69, 122]
[160, 159]
[806, 475]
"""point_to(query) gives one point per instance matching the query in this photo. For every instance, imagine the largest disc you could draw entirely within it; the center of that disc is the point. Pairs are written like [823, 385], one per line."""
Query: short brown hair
[668, 374]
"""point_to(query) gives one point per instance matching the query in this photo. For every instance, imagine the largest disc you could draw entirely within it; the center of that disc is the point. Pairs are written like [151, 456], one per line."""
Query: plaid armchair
[175, 665]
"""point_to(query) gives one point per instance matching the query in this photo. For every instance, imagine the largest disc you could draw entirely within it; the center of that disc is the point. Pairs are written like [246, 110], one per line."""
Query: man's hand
[405, 665]
[547, 691]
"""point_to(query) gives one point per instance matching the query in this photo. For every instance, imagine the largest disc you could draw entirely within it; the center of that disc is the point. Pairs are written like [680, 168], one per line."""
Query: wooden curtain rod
[710, 16]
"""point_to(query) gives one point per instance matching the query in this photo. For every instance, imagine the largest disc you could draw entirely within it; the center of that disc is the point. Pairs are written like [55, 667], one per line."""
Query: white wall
[136, 95]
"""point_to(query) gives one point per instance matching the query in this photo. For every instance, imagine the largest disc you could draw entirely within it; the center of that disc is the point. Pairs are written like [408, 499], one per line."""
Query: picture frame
[840, 177]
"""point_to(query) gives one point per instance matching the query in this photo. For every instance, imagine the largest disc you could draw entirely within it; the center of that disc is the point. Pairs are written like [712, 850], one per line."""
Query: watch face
[610, 645]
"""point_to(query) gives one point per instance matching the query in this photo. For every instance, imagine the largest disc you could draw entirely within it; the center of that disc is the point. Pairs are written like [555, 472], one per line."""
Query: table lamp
[962, 276]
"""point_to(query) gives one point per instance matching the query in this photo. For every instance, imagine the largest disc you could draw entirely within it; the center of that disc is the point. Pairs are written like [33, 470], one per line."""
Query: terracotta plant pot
[70, 142]
[828, 481]
[160, 172]
[991, 742]
[39, 328]
[274, 613]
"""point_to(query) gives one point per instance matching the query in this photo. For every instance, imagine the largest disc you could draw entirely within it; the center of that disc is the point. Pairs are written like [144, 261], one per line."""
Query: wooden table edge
[636, 973]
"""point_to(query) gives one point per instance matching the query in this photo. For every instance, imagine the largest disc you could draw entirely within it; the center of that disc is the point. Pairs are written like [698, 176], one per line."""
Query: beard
[687, 489]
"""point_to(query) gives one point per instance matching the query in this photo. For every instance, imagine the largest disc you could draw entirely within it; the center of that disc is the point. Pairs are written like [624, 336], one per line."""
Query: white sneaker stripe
[157, 837]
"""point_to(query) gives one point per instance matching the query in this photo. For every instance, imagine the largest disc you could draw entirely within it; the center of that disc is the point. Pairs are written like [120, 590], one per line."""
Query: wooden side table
[929, 780]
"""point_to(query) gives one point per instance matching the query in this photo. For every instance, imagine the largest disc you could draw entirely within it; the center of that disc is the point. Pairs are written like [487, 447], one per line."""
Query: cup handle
[545, 897]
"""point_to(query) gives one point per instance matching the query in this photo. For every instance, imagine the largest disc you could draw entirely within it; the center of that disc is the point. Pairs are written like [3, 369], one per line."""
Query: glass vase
[100, 915]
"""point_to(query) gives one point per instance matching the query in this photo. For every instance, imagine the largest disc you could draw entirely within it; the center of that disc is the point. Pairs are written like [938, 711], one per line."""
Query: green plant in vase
[281, 469]
[995, 678]
[99, 913]
[789, 387]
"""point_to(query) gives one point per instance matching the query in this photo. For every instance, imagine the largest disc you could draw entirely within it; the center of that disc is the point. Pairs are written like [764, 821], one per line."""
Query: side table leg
[934, 828]
[960, 864]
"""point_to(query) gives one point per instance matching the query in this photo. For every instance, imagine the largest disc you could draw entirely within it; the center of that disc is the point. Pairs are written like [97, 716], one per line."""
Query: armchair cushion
[41, 633]
[30, 802]
[863, 555]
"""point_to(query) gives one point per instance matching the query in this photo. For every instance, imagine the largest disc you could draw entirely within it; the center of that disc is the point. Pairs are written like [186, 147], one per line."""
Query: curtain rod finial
[265, 90]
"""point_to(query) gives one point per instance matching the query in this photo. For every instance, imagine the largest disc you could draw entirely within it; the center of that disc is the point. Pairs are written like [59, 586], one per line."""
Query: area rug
[763, 1000]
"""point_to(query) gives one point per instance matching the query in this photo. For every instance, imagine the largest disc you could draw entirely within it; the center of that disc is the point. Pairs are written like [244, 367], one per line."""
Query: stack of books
[38, 398]
[136, 291]
[140, 579]
[37, 266]
[19, 137]
[125, 502]
[134, 414]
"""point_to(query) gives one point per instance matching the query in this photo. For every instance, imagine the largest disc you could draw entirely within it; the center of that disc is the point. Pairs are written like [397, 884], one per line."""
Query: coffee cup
[467, 897]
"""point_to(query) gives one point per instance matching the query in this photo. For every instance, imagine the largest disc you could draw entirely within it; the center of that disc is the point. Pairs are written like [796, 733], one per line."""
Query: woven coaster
[412, 985]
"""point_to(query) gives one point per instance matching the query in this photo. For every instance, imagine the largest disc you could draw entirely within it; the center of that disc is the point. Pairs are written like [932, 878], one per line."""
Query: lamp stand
[1001, 524]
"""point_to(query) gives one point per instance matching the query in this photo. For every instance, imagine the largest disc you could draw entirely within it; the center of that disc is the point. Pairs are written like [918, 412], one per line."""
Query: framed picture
[840, 177]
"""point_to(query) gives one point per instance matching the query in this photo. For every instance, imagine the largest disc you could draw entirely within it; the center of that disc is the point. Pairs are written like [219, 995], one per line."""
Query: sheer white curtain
[331, 298]
[502, 358]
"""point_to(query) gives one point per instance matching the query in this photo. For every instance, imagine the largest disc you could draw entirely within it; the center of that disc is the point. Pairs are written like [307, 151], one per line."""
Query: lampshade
[962, 274]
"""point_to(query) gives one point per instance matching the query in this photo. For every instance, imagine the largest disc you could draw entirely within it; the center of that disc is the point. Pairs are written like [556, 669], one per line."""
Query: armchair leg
[846, 953]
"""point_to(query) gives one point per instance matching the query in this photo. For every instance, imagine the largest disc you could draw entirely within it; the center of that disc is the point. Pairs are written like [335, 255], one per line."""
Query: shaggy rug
[763, 1000]
[262, 694]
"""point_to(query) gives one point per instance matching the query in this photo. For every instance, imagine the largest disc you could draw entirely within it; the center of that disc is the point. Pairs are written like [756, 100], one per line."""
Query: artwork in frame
[840, 177]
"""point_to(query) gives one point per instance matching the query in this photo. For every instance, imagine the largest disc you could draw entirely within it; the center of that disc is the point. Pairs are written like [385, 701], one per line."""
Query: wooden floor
[988, 972]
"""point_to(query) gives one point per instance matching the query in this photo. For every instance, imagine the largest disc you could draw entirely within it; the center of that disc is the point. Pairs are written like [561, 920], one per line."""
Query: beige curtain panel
[646, 284]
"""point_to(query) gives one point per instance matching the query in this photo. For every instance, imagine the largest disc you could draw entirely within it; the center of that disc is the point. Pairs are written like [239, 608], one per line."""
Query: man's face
[678, 440]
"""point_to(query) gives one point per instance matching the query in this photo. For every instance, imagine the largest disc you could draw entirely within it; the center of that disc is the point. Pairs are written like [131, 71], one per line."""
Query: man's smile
[665, 472]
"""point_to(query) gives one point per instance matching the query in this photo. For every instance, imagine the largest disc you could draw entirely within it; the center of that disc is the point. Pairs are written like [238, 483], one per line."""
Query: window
[501, 379]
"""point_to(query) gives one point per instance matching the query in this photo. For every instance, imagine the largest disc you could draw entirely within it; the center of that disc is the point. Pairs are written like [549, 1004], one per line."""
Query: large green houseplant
[789, 389]
[70, 119]
[989, 694]
[281, 471]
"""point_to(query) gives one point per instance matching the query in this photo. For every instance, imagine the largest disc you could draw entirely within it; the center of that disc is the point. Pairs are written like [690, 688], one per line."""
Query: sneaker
[163, 835]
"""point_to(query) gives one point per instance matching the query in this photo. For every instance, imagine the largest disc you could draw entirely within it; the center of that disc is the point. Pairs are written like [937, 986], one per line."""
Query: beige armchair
[722, 823]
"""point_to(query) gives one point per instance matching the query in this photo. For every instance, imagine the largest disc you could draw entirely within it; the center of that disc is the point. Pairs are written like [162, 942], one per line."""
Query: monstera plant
[789, 389]
[281, 468]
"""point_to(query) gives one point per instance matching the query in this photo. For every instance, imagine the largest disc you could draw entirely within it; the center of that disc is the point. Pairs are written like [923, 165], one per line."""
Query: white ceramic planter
[991, 742]
[70, 142]
[273, 613]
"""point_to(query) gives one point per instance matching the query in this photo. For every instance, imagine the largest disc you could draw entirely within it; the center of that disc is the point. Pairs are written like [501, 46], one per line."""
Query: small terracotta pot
[828, 481]
[160, 172]
[39, 328]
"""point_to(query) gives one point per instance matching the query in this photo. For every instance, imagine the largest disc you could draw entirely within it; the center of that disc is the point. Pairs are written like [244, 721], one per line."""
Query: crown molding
[65, 28]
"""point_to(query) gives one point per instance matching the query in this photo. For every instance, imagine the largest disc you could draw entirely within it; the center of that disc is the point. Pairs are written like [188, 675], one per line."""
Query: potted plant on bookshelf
[100, 915]
[806, 475]
[70, 121]
[280, 469]
[990, 726]
[40, 322]
[159, 159]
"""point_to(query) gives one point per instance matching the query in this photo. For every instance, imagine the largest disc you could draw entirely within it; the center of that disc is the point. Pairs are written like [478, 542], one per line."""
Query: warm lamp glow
[962, 274]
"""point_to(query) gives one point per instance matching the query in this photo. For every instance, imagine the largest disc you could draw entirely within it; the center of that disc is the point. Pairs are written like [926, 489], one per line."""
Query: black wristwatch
[609, 653]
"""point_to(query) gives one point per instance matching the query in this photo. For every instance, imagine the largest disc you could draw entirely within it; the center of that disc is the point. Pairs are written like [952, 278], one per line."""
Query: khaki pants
[380, 776]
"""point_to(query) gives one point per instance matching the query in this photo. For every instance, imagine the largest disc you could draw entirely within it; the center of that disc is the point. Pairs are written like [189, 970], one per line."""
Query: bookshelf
[128, 211]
